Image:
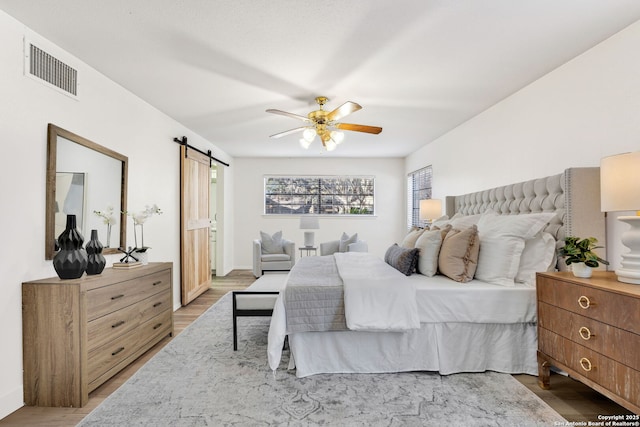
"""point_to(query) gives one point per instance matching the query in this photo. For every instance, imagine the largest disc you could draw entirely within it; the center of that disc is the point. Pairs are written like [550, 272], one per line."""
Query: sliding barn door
[195, 224]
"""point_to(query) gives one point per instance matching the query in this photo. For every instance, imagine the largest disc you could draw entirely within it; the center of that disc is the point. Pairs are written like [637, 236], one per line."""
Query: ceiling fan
[325, 124]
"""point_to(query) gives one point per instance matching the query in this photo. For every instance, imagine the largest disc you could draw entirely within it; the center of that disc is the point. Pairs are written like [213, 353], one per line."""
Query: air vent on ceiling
[46, 67]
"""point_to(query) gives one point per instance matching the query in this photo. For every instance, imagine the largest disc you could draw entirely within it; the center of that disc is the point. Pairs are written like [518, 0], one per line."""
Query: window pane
[419, 188]
[319, 195]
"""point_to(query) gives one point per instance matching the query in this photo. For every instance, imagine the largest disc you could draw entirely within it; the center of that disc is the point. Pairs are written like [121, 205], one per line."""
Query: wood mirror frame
[53, 134]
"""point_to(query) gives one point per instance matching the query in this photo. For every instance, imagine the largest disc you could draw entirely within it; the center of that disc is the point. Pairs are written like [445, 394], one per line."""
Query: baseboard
[11, 402]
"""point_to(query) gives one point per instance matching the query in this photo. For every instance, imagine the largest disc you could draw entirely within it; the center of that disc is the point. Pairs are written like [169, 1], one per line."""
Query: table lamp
[620, 191]
[309, 222]
[430, 209]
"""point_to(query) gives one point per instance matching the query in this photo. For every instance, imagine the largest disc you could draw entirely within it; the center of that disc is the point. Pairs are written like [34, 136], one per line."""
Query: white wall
[106, 114]
[382, 230]
[584, 110]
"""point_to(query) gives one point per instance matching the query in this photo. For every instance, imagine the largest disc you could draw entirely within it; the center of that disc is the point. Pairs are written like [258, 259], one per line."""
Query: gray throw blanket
[314, 296]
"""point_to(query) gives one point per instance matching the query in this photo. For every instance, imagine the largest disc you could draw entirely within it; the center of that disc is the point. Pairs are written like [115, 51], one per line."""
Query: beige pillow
[458, 258]
[409, 240]
[429, 244]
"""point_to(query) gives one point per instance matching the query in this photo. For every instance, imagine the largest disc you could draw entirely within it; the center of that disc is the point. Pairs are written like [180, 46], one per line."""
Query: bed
[473, 326]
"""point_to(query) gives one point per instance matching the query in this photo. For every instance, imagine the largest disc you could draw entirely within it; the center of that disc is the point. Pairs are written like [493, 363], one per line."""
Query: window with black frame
[418, 188]
[319, 195]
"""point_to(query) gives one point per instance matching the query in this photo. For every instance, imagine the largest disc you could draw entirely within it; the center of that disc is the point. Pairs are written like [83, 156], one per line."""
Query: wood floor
[570, 398]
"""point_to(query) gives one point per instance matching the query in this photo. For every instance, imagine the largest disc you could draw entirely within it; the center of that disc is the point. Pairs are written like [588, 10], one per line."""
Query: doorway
[213, 216]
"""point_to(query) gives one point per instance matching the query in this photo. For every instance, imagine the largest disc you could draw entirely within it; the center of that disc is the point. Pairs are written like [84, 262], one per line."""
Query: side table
[308, 250]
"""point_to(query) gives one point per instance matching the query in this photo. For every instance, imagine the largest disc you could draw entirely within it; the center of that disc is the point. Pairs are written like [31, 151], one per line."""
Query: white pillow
[345, 241]
[502, 240]
[539, 254]
[272, 244]
[440, 222]
[429, 244]
[464, 221]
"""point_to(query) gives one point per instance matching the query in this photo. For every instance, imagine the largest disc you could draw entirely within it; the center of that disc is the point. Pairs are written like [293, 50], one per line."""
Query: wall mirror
[84, 177]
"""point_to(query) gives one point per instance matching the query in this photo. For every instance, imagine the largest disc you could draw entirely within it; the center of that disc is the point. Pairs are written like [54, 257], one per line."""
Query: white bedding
[376, 297]
[441, 299]
[465, 327]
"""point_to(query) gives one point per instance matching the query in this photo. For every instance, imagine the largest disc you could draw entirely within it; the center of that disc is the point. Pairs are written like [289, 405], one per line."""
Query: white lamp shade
[620, 182]
[309, 135]
[337, 137]
[430, 209]
[309, 222]
[304, 143]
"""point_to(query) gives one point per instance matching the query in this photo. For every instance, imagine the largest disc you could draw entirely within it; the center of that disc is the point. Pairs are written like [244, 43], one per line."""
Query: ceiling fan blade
[285, 113]
[288, 132]
[343, 110]
[358, 128]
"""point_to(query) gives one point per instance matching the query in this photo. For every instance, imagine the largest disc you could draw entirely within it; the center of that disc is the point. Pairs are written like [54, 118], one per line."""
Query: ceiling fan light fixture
[337, 136]
[330, 145]
[304, 143]
[309, 134]
[325, 124]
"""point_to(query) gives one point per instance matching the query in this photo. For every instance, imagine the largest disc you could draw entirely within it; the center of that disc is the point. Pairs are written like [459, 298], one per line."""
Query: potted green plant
[579, 252]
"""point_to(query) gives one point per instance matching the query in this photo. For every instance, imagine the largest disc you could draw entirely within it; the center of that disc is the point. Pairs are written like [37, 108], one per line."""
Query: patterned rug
[198, 380]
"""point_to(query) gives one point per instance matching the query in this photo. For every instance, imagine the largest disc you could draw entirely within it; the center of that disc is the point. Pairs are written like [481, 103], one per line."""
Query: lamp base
[308, 238]
[630, 271]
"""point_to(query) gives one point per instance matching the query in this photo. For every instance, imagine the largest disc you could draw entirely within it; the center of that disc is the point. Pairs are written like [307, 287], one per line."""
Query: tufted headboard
[574, 195]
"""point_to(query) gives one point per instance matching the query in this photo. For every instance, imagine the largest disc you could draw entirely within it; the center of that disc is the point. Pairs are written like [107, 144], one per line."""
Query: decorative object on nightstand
[430, 209]
[309, 222]
[578, 253]
[590, 328]
[95, 260]
[620, 191]
[71, 260]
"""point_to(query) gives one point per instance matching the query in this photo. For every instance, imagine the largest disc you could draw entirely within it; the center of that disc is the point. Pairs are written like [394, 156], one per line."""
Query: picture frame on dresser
[79, 333]
[590, 328]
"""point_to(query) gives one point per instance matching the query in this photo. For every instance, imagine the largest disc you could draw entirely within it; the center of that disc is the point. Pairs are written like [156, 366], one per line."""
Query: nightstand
[590, 328]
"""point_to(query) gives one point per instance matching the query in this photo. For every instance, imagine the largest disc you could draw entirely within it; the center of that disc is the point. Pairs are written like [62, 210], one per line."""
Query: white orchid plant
[109, 219]
[139, 218]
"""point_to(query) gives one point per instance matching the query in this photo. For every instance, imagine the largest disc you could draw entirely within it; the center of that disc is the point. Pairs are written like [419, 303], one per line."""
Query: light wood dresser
[590, 328]
[79, 333]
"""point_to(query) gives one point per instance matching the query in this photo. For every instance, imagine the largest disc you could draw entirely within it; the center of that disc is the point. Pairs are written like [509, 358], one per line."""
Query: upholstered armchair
[345, 244]
[272, 253]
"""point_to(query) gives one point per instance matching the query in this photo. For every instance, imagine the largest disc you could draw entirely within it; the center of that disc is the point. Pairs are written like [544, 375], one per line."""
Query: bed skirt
[447, 348]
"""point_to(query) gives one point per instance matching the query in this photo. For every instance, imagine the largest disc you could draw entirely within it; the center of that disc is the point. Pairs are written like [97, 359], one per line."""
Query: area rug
[198, 380]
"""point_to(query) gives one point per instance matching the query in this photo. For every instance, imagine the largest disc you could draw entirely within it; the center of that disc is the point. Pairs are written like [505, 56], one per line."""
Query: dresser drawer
[111, 354]
[609, 307]
[610, 341]
[107, 328]
[620, 379]
[107, 299]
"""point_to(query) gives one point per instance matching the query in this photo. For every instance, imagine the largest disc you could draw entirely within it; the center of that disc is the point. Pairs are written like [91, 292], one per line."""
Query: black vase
[96, 260]
[71, 260]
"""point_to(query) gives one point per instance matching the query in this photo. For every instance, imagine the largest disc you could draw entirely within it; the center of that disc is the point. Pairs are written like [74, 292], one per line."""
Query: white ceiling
[418, 67]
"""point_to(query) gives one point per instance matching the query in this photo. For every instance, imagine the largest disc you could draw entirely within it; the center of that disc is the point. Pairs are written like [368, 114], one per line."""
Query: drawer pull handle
[585, 333]
[157, 326]
[117, 296]
[157, 283]
[158, 304]
[120, 323]
[117, 351]
[586, 364]
[584, 302]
